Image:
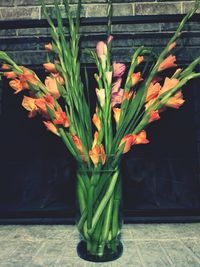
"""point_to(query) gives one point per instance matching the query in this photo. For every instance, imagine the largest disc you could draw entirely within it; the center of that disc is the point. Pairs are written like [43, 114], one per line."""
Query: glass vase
[99, 216]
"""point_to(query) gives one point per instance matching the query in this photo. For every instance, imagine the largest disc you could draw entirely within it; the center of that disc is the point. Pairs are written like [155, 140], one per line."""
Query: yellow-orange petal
[169, 84]
[50, 67]
[96, 121]
[117, 112]
[10, 74]
[48, 47]
[16, 85]
[128, 140]
[141, 138]
[175, 101]
[153, 91]
[168, 62]
[140, 59]
[51, 127]
[136, 77]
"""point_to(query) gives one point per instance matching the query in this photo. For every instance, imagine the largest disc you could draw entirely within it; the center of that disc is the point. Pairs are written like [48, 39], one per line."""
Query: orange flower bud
[136, 77]
[169, 84]
[61, 119]
[51, 127]
[96, 121]
[154, 115]
[129, 141]
[175, 101]
[141, 138]
[153, 91]
[10, 74]
[16, 85]
[97, 154]
[117, 112]
[51, 84]
[140, 59]
[167, 63]
[48, 47]
[50, 67]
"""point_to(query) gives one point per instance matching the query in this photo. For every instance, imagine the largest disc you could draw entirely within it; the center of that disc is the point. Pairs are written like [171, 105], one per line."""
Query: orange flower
[154, 115]
[5, 67]
[51, 127]
[136, 77]
[169, 84]
[50, 67]
[78, 143]
[140, 59]
[41, 103]
[48, 47]
[150, 103]
[16, 85]
[97, 153]
[117, 112]
[51, 84]
[96, 136]
[129, 141]
[10, 74]
[27, 77]
[167, 63]
[96, 121]
[127, 96]
[153, 91]
[141, 138]
[175, 101]
[172, 46]
[29, 104]
[61, 119]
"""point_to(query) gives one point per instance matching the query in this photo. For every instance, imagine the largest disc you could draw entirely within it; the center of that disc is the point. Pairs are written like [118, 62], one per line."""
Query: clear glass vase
[99, 216]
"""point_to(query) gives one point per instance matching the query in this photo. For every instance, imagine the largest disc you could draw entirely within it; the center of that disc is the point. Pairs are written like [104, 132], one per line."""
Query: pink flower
[118, 69]
[101, 50]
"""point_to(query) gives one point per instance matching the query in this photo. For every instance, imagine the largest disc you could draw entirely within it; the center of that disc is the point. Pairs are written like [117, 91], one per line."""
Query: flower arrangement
[128, 99]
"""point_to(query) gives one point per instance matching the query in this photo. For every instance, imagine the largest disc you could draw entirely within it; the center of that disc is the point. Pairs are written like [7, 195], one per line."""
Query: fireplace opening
[161, 180]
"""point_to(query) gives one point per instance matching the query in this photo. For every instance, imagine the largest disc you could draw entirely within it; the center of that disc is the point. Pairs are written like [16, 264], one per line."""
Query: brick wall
[22, 43]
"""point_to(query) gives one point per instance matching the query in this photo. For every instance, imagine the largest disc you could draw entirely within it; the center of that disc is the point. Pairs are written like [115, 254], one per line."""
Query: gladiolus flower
[5, 67]
[169, 84]
[117, 112]
[118, 69]
[154, 115]
[101, 96]
[96, 136]
[153, 91]
[116, 86]
[97, 153]
[140, 59]
[29, 104]
[51, 127]
[110, 38]
[175, 101]
[109, 77]
[101, 49]
[61, 119]
[117, 97]
[136, 77]
[150, 103]
[50, 67]
[127, 96]
[141, 138]
[41, 103]
[78, 143]
[129, 141]
[172, 46]
[167, 63]
[48, 47]
[16, 85]
[96, 121]
[51, 84]
[10, 74]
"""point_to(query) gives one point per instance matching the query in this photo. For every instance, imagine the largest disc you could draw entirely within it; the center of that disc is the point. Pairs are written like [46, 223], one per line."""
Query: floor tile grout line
[37, 252]
[139, 255]
[166, 255]
[190, 252]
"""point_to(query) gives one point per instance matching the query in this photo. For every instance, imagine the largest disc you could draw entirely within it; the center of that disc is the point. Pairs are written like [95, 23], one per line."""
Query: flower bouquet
[128, 98]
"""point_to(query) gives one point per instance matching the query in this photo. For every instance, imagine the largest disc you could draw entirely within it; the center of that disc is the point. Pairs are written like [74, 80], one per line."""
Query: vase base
[109, 255]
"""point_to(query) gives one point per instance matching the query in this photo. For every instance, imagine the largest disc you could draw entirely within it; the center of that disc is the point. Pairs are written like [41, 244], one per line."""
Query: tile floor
[145, 245]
